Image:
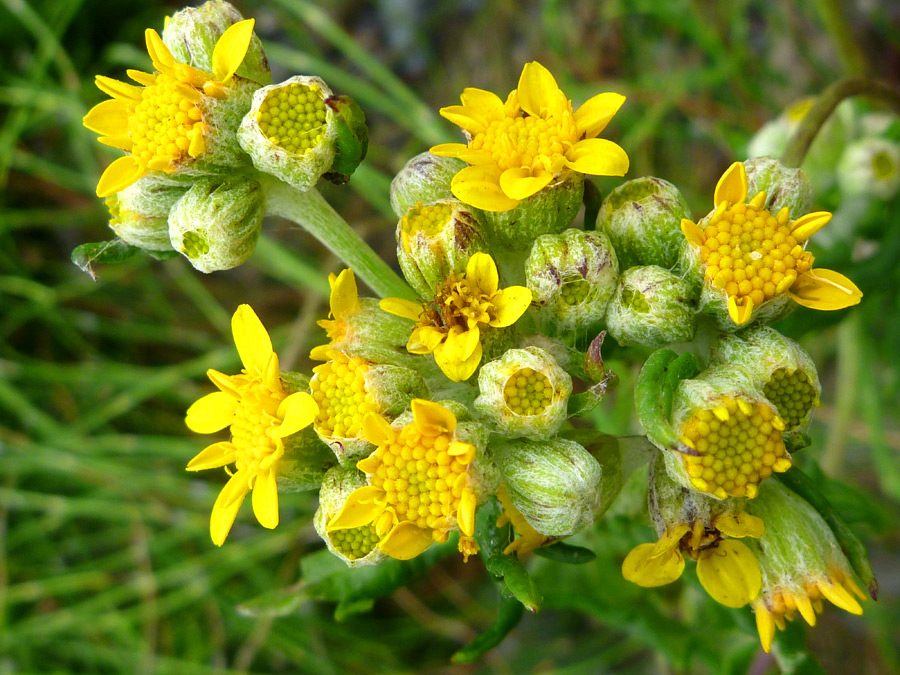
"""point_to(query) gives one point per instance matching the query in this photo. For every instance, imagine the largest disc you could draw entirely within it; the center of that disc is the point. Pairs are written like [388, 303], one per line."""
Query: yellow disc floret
[513, 140]
[574, 290]
[528, 392]
[738, 445]
[339, 387]
[164, 125]
[429, 220]
[355, 543]
[293, 117]
[255, 415]
[792, 393]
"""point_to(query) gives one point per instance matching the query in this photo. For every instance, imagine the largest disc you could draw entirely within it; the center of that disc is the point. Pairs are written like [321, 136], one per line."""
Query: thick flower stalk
[260, 413]
[464, 308]
[420, 484]
[750, 257]
[164, 125]
[519, 147]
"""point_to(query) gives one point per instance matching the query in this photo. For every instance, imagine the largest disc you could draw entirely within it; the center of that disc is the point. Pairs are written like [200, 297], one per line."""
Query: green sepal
[566, 553]
[112, 251]
[352, 140]
[654, 393]
[510, 614]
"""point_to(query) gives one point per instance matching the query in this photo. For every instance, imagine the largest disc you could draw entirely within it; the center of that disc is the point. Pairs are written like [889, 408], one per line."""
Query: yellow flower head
[753, 256]
[260, 414]
[339, 388]
[465, 305]
[727, 568]
[419, 485]
[517, 148]
[162, 123]
[343, 303]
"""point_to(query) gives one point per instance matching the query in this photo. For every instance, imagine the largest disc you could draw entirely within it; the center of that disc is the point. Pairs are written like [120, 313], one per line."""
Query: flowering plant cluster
[458, 405]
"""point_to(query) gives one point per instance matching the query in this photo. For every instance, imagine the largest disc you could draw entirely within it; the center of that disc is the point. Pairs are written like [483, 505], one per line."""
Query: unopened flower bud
[298, 131]
[730, 434]
[426, 178]
[779, 367]
[801, 561]
[139, 214]
[651, 307]
[572, 276]
[356, 546]
[524, 393]
[784, 186]
[216, 223]
[554, 484]
[870, 168]
[191, 35]
[643, 220]
[549, 211]
[346, 388]
[434, 241]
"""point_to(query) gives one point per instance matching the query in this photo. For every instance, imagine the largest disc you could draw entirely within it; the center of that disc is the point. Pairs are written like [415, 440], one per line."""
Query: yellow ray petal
[765, 626]
[692, 232]
[265, 500]
[362, 506]
[377, 430]
[211, 413]
[160, 55]
[449, 149]
[732, 186]
[645, 566]
[806, 226]
[251, 339]
[406, 541]
[481, 270]
[320, 353]
[825, 289]
[298, 411]
[465, 514]
[119, 90]
[509, 305]
[521, 183]
[141, 77]
[537, 90]
[121, 142]
[425, 339]
[840, 596]
[737, 524]
[432, 418]
[482, 102]
[597, 157]
[463, 118]
[213, 457]
[730, 573]
[400, 307]
[344, 299]
[740, 314]
[457, 371]
[227, 505]
[119, 175]
[463, 452]
[460, 343]
[231, 48]
[595, 113]
[108, 118]
[479, 186]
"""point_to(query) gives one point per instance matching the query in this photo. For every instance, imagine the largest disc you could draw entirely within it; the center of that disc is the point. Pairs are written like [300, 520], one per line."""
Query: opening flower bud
[356, 546]
[139, 214]
[425, 178]
[784, 187]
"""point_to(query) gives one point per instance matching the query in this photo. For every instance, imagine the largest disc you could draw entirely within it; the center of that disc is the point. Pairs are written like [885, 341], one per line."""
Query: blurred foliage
[105, 558]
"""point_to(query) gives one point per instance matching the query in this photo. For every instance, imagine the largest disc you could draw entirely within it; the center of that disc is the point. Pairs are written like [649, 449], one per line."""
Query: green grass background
[105, 560]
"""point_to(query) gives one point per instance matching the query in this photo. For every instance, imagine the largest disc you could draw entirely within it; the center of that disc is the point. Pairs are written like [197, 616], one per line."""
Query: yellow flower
[343, 303]
[727, 569]
[753, 256]
[260, 414]
[162, 123]
[529, 538]
[804, 596]
[418, 487]
[516, 149]
[451, 326]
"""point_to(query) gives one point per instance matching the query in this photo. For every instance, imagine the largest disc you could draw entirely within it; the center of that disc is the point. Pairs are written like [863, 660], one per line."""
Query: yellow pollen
[527, 392]
[256, 415]
[356, 542]
[165, 124]
[793, 395]
[574, 290]
[751, 253]
[293, 117]
[429, 220]
[339, 387]
[514, 140]
[736, 449]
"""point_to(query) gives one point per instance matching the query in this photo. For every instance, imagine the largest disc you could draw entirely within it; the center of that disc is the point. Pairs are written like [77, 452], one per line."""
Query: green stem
[825, 104]
[310, 210]
[834, 16]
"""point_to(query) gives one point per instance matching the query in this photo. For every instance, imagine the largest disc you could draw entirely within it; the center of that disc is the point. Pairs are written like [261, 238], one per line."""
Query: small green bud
[549, 211]
[355, 546]
[643, 220]
[524, 393]
[139, 214]
[784, 186]
[554, 484]
[191, 35]
[293, 132]
[780, 367]
[572, 276]
[870, 168]
[651, 307]
[217, 222]
[426, 178]
[435, 241]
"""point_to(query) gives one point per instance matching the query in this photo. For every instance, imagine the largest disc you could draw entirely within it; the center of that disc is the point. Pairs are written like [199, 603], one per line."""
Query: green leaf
[112, 251]
[511, 612]
[492, 540]
[516, 579]
[566, 553]
[274, 604]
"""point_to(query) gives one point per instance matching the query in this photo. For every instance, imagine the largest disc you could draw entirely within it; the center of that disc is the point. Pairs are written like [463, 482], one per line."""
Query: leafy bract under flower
[161, 125]
[418, 487]
[451, 326]
[519, 147]
[260, 414]
[753, 256]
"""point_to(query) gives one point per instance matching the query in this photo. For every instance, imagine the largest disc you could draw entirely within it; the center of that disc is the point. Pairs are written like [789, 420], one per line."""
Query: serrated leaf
[112, 251]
